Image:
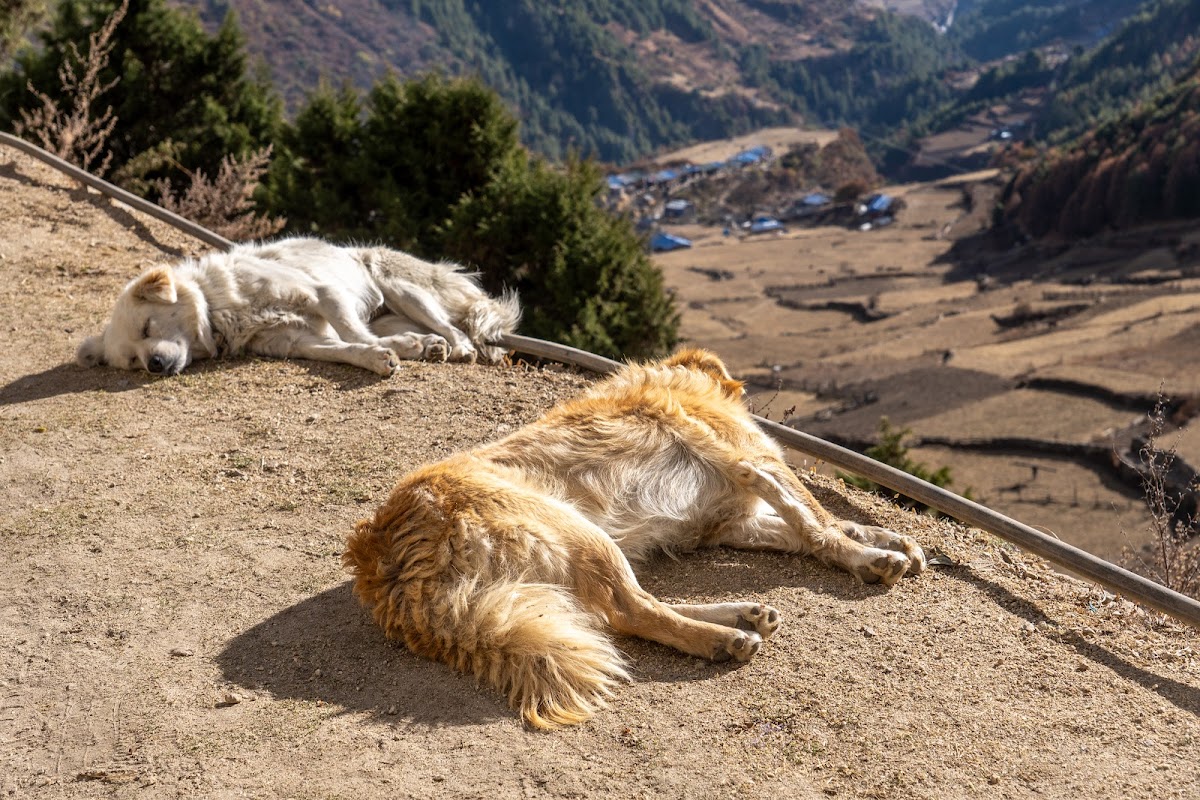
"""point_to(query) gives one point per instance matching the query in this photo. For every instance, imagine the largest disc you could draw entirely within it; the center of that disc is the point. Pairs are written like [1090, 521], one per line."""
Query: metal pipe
[117, 193]
[1111, 576]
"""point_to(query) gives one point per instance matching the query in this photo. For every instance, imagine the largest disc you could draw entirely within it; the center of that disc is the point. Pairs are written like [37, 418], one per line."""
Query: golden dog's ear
[156, 286]
[710, 364]
[91, 352]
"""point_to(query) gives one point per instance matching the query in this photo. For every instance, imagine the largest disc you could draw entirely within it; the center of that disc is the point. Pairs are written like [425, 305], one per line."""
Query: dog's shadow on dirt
[70, 379]
[328, 649]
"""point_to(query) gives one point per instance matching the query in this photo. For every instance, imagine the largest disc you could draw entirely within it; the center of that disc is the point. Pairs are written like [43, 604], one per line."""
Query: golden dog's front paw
[882, 566]
[884, 539]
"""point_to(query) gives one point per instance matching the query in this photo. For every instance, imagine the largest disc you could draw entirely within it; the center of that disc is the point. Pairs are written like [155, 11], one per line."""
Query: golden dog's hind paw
[738, 646]
[763, 620]
[882, 566]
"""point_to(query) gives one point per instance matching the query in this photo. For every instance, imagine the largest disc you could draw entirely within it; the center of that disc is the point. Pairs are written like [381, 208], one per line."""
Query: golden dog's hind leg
[605, 584]
[871, 553]
[756, 617]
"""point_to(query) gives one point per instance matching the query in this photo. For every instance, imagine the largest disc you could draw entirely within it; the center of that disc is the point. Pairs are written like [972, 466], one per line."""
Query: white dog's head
[156, 325]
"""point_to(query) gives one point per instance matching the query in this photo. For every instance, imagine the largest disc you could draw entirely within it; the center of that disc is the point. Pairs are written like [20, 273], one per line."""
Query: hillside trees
[78, 132]
[183, 100]
[891, 450]
[435, 166]
[1143, 167]
[581, 272]
[1147, 52]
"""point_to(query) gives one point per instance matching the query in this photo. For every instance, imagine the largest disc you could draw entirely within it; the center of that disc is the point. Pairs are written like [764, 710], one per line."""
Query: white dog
[302, 298]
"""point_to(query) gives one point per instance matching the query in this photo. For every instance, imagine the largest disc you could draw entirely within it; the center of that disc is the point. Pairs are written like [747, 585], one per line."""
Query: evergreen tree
[891, 450]
[183, 100]
[435, 166]
[582, 273]
[17, 17]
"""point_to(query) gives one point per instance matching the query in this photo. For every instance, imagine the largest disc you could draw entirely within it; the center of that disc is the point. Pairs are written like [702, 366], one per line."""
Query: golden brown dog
[507, 561]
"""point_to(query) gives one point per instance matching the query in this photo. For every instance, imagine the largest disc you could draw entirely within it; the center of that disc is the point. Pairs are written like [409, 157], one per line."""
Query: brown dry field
[175, 622]
[938, 363]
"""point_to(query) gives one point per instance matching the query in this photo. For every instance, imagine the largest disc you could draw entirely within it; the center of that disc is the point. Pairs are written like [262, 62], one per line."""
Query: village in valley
[671, 191]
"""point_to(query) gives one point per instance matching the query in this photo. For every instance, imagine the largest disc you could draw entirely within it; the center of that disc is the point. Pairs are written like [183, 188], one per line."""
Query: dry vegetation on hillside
[174, 620]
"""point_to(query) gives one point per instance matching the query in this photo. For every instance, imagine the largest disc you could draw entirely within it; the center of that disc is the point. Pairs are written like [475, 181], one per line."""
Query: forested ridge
[617, 79]
[1141, 167]
[611, 80]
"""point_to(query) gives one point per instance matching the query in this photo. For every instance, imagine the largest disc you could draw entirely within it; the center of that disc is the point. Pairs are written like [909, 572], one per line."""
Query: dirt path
[174, 620]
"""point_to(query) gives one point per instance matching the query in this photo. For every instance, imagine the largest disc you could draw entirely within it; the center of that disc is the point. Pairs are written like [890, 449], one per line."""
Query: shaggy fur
[507, 562]
[301, 298]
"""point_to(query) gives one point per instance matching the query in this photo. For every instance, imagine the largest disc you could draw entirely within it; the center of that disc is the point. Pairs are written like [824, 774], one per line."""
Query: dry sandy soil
[843, 327]
[175, 622]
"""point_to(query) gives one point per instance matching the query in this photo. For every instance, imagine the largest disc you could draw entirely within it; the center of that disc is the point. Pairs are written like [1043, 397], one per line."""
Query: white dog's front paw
[381, 361]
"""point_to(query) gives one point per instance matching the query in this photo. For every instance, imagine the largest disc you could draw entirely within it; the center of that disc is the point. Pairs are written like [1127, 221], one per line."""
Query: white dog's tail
[489, 317]
[529, 641]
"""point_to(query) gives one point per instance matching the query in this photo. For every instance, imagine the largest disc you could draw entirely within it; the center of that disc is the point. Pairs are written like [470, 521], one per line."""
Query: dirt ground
[175, 622]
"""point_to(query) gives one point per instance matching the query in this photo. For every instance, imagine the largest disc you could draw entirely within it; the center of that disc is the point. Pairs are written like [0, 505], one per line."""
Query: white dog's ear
[156, 286]
[91, 352]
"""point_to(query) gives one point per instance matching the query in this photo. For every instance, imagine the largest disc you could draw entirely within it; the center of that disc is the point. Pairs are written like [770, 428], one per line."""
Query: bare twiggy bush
[1174, 555]
[75, 133]
[224, 204]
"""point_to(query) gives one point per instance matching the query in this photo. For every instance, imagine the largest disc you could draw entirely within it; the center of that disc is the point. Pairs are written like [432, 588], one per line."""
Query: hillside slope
[174, 620]
[615, 78]
[1141, 167]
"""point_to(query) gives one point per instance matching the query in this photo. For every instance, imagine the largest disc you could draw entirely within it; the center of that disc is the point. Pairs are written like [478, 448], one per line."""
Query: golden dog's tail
[533, 643]
[529, 641]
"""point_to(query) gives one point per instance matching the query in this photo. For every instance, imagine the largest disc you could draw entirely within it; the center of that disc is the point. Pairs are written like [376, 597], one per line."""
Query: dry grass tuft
[224, 204]
[73, 133]
[1174, 525]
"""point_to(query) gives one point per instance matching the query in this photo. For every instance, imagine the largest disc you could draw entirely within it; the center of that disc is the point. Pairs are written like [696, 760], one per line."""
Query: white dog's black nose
[157, 365]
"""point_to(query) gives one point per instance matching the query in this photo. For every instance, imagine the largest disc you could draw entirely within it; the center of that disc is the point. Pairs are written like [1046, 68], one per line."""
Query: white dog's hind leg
[408, 339]
[423, 309]
[337, 310]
